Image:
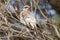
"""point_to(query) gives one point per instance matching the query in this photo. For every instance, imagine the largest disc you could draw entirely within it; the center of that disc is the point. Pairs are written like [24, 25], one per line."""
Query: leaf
[6, 1]
[0, 4]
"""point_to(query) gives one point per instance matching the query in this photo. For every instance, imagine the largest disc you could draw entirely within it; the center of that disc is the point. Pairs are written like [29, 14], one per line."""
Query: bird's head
[26, 7]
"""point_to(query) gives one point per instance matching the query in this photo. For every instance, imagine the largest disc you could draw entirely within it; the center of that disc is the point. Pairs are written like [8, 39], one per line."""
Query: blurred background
[42, 10]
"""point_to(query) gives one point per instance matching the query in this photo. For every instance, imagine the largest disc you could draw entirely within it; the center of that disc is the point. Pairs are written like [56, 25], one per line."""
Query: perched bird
[27, 18]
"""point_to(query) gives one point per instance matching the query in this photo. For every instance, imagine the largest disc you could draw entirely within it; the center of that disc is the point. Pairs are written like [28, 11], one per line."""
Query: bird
[27, 18]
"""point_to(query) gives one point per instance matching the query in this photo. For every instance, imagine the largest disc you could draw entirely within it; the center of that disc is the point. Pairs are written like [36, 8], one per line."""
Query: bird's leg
[36, 32]
[34, 28]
